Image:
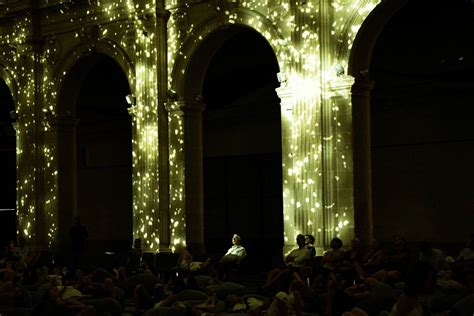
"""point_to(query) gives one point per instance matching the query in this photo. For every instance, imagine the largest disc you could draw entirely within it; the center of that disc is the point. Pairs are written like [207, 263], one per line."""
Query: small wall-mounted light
[339, 70]
[281, 77]
[131, 100]
[172, 95]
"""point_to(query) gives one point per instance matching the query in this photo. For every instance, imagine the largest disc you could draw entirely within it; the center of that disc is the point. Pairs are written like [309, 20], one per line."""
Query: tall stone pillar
[289, 227]
[162, 17]
[30, 207]
[338, 164]
[61, 140]
[146, 153]
[362, 159]
[186, 174]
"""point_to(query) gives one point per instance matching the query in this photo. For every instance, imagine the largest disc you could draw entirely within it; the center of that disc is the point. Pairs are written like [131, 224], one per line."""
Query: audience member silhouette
[232, 258]
[134, 259]
[78, 235]
[186, 263]
[309, 243]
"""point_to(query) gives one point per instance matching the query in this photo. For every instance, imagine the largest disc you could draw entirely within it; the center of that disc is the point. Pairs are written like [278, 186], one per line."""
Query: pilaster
[162, 17]
[286, 97]
[186, 174]
[61, 196]
[146, 153]
[362, 159]
[336, 124]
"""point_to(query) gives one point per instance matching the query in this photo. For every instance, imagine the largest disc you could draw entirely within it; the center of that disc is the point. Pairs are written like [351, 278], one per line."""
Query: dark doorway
[242, 149]
[7, 166]
[422, 135]
[104, 155]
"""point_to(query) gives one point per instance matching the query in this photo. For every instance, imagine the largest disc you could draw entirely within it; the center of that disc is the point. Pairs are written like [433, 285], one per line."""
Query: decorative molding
[224, 6]
[181, 18]
[286, 97]
[52, 50]
[341, 83]
[89, 35]
[185, 107]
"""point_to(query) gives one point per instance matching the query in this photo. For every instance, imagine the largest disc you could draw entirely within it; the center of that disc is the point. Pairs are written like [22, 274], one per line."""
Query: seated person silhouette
[232, 258]
[279, 278]
[186, 263]
[309, 243]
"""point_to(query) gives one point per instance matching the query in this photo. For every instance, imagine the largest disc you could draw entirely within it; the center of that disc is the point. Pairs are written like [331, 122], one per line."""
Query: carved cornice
[281, 13]
[286, 97]
[362, 86]
[185, 107]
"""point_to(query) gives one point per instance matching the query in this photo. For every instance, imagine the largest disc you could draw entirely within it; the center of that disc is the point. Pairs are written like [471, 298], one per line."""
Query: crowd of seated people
[395, 278]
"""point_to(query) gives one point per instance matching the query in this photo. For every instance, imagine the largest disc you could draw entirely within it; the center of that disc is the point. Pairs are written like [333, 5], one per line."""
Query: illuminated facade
[160, 47]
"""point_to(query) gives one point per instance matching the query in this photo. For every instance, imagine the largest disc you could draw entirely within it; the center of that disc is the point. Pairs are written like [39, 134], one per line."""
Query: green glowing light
[308, 52]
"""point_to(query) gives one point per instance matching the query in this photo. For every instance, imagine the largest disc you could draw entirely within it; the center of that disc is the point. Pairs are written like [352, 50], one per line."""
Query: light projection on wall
[316, 124]
[311, 40]
[18, 57]
[39, 116]
[176, 160]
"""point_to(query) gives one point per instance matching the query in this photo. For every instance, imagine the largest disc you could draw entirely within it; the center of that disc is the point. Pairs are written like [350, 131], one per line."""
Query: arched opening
[242, 167]
[100, 191]
[7, 166]
[421, 131]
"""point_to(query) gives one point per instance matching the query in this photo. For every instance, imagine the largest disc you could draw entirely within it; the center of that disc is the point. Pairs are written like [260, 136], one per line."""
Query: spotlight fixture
[131, 100]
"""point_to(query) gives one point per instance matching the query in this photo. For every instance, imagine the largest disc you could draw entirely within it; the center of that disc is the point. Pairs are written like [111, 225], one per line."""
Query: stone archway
[422, 172]
[369, 173]
[188, 107]
[358, 67]
[94, 152]
[242, 148]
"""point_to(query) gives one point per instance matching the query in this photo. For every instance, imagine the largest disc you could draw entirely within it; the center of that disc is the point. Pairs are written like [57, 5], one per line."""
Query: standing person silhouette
[78, 235]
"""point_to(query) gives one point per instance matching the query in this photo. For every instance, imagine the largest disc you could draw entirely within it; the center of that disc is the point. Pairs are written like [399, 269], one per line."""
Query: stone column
[177, 206]
[286, 97]
[162, 17]
[61, 137]
[186, 174]
[338, 165]
[30, 208]
[146, 148]
[362, 159]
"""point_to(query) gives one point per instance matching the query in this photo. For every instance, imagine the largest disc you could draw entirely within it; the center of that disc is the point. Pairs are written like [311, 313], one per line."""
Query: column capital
[184, 107]
[286, 96]
[162, 14]
[341, 83]
[362, 86]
